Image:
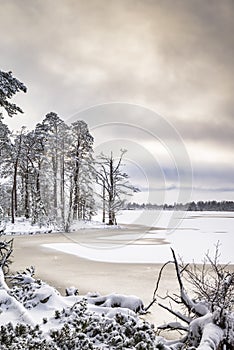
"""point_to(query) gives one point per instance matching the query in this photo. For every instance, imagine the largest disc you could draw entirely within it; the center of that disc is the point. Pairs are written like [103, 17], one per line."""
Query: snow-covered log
[212, 337]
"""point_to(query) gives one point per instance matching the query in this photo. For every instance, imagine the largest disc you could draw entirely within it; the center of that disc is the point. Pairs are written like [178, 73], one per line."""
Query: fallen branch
[209, 316]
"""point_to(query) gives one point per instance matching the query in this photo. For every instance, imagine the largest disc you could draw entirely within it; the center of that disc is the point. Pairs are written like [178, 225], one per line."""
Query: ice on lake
[190, 234]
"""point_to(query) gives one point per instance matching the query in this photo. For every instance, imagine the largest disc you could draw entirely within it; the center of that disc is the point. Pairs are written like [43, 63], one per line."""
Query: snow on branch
[6, 249]
[130, 302]
[24, 277]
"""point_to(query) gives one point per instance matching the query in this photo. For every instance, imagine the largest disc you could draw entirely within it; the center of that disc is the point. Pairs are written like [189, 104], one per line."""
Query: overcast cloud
[174, 57]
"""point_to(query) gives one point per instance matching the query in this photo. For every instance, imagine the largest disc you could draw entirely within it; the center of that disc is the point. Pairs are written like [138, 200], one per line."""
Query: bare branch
[176, 313]
[157, 285]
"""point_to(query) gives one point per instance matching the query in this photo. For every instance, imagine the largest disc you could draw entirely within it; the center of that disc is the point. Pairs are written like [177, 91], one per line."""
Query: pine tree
[9, 86]
[81, 157]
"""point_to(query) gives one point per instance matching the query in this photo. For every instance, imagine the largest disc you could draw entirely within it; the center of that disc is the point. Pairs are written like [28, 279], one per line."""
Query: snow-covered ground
[23, 226]
[191, 234]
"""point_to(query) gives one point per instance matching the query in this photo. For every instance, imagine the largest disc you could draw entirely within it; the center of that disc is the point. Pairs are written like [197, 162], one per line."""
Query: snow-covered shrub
[77, 328]
[80, 326]
[23, 337]
[53, 321]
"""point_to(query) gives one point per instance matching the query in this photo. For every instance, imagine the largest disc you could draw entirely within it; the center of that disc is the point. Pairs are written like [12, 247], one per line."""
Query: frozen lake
[190, 234]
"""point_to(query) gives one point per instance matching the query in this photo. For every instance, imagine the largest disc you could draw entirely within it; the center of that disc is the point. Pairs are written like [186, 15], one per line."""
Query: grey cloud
[174, 56]
[165, 51]
[218, 132]
[200, 189]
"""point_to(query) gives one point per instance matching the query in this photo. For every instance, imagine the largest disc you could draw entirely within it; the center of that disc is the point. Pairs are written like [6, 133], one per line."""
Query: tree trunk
[12, 207]
[55, 166]
[14, 194]
[111, 221]
[38, 204]
[67, 222]
[103, 203]
[14, 186]
[111, 193]
[84, 210]
[62, 185]
[76, 186]
[26, 198]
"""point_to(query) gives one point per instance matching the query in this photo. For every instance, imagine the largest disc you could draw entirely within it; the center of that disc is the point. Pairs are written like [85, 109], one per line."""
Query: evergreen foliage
[191, 206]
[9, 86]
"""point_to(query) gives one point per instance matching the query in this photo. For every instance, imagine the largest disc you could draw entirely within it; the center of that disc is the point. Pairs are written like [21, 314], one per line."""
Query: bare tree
[114, 183]
[207, 318]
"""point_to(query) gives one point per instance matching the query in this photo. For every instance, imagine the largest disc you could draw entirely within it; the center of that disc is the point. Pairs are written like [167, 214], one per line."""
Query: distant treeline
[191, 206]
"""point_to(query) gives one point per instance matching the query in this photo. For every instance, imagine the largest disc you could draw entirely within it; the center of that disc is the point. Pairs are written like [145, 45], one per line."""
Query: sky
[155, 77]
